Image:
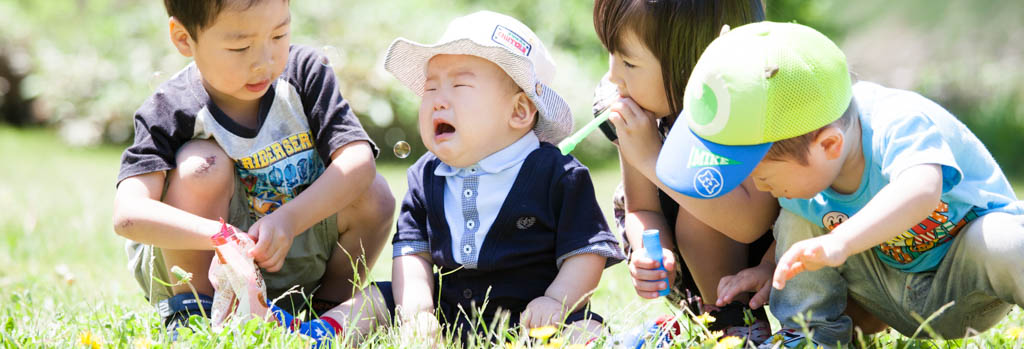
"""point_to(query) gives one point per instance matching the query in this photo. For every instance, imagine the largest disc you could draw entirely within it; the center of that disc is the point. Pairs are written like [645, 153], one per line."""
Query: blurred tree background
[84, 66]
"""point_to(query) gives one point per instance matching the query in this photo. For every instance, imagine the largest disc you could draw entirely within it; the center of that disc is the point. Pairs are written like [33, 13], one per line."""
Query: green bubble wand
[605, 94]
[568, 144]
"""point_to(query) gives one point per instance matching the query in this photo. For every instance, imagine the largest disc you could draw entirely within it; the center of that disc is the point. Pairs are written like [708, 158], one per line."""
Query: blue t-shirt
[901, 129]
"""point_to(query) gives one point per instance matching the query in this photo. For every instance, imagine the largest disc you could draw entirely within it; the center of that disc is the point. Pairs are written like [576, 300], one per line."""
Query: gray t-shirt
[303, 119]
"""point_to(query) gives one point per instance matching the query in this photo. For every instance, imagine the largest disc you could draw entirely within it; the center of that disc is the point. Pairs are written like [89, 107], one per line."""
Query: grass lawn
[64, 280]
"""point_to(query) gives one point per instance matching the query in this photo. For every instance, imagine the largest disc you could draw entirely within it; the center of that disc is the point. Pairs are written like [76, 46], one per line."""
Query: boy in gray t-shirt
[254, 131]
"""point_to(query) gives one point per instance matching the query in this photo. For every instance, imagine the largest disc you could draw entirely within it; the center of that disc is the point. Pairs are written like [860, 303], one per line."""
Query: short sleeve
[331, 118]
[162, 125]
[916, 140]
[411, 234]
[581, 223]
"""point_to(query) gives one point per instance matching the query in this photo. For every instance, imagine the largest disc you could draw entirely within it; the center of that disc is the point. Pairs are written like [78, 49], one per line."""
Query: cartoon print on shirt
[277, 174]
[833, 219]
[934, 230]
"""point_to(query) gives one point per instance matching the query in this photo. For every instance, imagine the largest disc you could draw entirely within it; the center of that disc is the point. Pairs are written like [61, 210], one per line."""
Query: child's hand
[756, 279]
[421, 330]
[639, 141]
[542, 311]
[646, 280]
[274, 234]
[809, 255]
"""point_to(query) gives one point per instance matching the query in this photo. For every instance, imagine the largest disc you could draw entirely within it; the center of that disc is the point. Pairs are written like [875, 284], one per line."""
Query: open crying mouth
[443, 128]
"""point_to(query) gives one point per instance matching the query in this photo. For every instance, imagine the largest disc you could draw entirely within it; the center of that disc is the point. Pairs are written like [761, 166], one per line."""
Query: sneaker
[784, 338]
[659, 333]
[738, 320]
[176, 310]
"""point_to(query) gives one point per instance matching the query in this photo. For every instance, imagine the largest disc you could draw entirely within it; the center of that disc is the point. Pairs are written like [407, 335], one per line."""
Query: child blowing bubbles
[493, 206]
[887, 197]
[653, 46]
[254, 131]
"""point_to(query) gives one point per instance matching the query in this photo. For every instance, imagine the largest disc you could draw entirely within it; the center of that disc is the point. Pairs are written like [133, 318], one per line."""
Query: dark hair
[796, 148]
[675, 31]
[196, 15]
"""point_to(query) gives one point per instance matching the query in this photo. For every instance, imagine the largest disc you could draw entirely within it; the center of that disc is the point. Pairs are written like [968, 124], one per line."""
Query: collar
[501, 160]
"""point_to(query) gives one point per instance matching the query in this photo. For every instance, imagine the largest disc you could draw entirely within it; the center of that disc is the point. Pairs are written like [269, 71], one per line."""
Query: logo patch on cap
[701, 157]
[709, 110]
[707, 182]
[508, 38]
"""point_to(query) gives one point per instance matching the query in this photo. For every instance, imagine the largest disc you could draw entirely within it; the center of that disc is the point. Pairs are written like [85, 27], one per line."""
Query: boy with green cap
[886, 195]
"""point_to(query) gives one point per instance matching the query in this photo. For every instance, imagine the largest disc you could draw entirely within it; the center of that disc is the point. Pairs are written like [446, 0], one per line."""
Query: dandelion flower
[1015, 332]
[543, 332]
[704, 319]
[143, 343]
[730, 342]
[87, 339]
[555, 343]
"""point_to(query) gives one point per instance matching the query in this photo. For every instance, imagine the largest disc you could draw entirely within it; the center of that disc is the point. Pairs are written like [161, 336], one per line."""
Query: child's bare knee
[384, 201]
[377, 204]
[996, 237]
[203, 164]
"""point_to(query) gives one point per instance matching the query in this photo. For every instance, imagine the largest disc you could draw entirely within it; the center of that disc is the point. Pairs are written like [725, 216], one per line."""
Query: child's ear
[180, 37]
[831, 142]
[523, 112]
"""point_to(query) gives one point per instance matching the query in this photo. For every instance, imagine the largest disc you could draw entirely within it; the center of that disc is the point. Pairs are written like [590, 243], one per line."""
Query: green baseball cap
[757, 84]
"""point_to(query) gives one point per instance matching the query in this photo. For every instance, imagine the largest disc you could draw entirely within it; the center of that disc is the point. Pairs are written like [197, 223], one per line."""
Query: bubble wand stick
[605, 94]
[568, 144]
[652, 245]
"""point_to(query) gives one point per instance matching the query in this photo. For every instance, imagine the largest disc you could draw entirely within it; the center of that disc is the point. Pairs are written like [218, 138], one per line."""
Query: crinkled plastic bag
[239, 290]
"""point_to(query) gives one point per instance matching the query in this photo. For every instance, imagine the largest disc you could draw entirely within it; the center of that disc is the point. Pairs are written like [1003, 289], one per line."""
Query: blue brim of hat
[702, 169]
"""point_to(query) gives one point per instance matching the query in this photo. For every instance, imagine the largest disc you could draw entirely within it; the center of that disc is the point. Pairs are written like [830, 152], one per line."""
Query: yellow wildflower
[143, 343]
[716, 335]
[1015, 332]
[730, 342]
[87, 339]
[543, 332]
[555, 343]
[704, 319]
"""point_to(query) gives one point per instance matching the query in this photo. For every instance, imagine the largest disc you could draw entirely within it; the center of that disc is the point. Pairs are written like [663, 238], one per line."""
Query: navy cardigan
[550, 211]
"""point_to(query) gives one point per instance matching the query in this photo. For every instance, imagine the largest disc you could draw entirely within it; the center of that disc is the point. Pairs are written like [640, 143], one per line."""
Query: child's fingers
[648, 274]
[779, 277]
[761, 297]
[276, 260]
[527, 318]
[726, 290]
[260, 251]
[668, 259]
[783, 274]
[274, 264]
[636, 113]
[641, 261]
[649, 286]
[616, 119]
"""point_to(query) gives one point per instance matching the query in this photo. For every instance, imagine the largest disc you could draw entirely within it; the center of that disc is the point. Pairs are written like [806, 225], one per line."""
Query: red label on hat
[510, 39]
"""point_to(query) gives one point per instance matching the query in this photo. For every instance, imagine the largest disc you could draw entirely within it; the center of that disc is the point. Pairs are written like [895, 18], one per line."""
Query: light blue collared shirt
[496, 175]
[473, 197]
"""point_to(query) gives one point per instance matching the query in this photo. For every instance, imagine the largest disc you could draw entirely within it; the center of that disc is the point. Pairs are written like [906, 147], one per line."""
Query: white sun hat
[502, 40]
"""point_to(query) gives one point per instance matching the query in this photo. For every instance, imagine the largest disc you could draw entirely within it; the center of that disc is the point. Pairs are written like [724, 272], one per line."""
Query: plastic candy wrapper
[239, 290]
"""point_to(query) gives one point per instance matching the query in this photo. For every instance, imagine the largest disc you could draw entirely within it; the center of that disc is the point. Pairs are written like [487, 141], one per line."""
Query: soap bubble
[156, 79]
[332, 57]
[402, 149]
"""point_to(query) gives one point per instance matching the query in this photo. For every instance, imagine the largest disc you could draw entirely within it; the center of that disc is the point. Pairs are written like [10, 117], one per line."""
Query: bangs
[613, 18]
